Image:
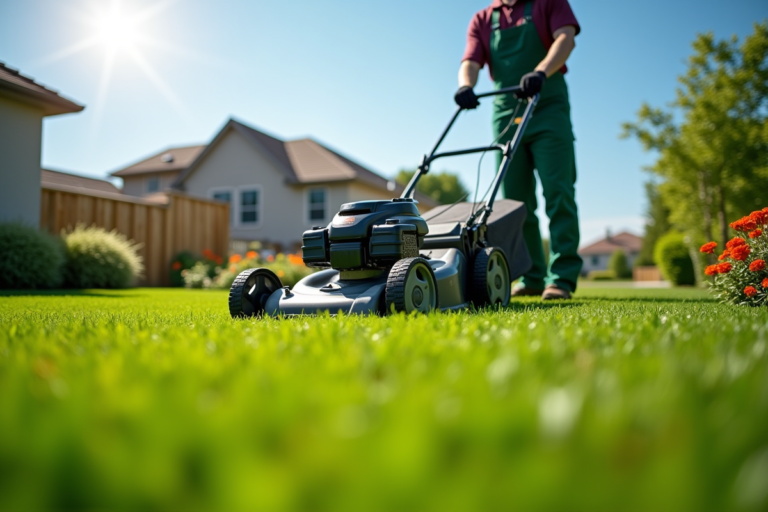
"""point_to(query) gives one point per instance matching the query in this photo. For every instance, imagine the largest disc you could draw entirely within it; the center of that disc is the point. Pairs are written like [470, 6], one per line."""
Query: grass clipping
[97, 258]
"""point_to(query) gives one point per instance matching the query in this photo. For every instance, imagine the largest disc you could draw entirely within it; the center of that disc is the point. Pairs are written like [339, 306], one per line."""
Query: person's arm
[565, 42]
[468, 72]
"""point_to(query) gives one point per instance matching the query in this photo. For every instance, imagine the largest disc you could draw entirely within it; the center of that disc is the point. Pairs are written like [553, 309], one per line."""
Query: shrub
[618, 264]
[601, 275]
[183, 261]
[97, 258]
[29, 258]
[289, 268]
[674, 259]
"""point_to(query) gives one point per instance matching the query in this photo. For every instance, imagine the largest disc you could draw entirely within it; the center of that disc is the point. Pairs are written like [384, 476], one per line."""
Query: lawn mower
[377, 257]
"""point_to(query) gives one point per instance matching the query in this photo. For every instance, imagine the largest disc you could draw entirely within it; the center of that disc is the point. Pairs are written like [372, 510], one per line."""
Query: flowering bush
[289, 268]
[208, 265]
[741, 277]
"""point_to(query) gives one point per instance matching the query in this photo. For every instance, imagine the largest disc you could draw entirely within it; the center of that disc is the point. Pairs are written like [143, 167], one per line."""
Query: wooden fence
[647, 274]
[182, 223]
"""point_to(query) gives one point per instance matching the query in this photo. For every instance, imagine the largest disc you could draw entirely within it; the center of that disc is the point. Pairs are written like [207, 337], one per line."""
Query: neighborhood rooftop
[624, 240]
[25, 89]
[57, 178]
[171, 159]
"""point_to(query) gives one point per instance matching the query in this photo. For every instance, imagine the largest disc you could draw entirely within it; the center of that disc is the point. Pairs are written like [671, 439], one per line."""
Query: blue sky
[374, 80]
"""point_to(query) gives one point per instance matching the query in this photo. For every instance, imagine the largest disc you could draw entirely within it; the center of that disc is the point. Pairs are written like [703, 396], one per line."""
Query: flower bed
[213, 273]
[741, 276]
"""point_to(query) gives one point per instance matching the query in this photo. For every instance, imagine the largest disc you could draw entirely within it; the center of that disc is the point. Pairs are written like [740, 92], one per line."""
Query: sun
[115, 29]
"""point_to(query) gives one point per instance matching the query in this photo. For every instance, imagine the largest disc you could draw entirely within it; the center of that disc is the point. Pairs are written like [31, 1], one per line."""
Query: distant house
[597, 255]
[23, 105]
[157, 172]
[276, 189]
[64, 180]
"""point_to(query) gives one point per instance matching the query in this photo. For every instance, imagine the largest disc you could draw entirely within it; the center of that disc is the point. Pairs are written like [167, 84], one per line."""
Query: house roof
[167, 160]
[624, 241]
[49, 177]
[22, 88]
[302, 161]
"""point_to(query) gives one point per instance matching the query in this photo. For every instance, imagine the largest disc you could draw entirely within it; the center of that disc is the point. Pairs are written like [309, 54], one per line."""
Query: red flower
[765, 282]
[740, 253]
[735, 242]
[744, 224]
[176, 265]
[751, 291]
[760, 217]
[756, 233]
[724, 255]
[711, 270]
[757, 265]
[724, 268]
[219, 260]
[708, 248]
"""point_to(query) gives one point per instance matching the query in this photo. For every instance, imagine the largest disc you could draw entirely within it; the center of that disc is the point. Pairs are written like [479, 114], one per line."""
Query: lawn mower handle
[508, 149]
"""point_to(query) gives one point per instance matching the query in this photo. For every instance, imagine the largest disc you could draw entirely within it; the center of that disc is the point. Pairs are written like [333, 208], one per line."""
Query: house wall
[137, 185]
[21, 130]
[600, 261]
[235, 164]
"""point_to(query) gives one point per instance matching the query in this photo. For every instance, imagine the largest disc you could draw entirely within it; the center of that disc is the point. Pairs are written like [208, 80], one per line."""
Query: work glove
[465, 98]
[531, 84]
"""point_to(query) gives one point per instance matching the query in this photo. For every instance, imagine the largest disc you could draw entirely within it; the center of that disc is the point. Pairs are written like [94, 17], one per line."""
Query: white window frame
[146, 184]
[259, 207]
[307, 219]
[232, 204]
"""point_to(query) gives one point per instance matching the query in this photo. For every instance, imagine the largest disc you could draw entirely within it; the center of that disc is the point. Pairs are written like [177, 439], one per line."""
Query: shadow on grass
[64, 293]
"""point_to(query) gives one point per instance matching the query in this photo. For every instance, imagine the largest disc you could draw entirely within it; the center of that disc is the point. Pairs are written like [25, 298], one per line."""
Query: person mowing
[528, 43]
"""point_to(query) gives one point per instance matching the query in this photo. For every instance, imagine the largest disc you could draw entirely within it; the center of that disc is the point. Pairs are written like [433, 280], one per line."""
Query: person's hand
[531, 84]
[465, 98]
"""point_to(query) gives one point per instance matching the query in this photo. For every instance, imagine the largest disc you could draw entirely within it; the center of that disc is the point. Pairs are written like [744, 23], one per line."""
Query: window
[249, 206]
[153, 184]
[595, 261]
[226, 196]
[316, 209]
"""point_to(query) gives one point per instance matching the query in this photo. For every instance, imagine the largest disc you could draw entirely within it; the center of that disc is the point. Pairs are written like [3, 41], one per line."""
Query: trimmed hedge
[29, 258]
[97, 258]
[618, 264]
[674, 259]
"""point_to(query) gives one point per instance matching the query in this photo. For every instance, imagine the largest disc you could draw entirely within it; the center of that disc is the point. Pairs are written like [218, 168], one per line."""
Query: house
[276, 189]
[23, 105]
[597, 255]
[157, 172]
[63, 180]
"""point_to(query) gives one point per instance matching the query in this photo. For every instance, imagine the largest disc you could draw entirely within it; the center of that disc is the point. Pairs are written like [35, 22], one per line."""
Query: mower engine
[366, 235]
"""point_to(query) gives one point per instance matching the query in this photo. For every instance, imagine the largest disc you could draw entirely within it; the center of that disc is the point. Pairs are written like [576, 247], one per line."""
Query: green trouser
[547, 147]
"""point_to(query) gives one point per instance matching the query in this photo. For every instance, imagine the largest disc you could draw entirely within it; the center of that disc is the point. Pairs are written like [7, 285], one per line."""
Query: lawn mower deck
[377, 257]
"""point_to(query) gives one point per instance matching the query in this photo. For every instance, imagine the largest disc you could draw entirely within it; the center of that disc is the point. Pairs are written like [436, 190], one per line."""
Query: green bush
[618, 264]
[29, 258]
[674, 259]
[97, 258]
[183, 261]
[601, 275]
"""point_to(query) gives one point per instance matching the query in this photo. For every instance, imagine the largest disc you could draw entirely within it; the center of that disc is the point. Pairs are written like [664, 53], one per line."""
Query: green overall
[547, 146]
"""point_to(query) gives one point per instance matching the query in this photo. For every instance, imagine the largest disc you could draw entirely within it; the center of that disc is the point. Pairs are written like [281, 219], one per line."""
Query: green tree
[656, 224]
[712, 141]
[444, 187]
[618, 265]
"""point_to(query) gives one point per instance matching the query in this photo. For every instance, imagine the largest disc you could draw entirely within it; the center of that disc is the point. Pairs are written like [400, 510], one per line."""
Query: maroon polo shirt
[548, 16]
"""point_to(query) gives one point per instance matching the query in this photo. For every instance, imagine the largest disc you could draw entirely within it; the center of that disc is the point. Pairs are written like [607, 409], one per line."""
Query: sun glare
[116, 30]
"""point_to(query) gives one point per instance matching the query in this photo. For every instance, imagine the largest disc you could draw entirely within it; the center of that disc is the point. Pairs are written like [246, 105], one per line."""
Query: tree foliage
[712, 141]
[444, 187]
[618, 265]
[656, 224]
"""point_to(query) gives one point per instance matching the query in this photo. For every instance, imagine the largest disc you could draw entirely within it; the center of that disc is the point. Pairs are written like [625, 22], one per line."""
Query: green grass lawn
[156, 400]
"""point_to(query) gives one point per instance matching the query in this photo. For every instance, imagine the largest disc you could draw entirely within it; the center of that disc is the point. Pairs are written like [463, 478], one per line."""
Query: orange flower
[251, 255]
[270, 258]
[765, 282]
[756, 233]
[724, 268]
[757, 265]
[711, 270]
[725, 254]
[750, 291]
[235, 258]
[735, 242]
[280, 273]
[708, 248]
[740, 253]
[176, 266]
[219, 260]
[744, 224]
[295, 259]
